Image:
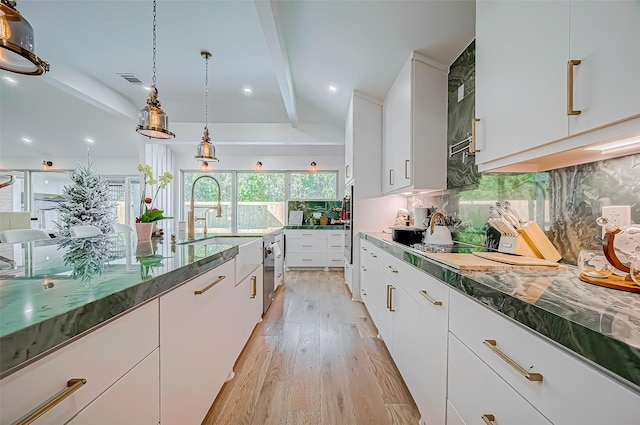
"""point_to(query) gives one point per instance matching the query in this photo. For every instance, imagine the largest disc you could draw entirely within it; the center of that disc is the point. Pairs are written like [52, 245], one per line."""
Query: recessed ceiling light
[332, 88]
[26, 140]
[89, 140]
[247, 90]
[9, 79]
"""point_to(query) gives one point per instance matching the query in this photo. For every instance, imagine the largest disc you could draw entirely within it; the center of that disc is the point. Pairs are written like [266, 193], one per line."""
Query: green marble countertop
[52, 291]
[600, 325]
[317, 227]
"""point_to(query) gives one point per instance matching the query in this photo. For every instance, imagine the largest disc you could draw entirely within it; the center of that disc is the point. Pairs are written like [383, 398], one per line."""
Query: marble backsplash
[565, 202]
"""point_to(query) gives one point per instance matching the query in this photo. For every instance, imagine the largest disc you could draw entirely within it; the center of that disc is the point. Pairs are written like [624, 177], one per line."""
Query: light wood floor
[314, 359]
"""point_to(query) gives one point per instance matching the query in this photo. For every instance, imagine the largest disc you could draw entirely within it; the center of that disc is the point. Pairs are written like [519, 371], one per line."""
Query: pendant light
[206, 151]
[16, 40]
[153, 122]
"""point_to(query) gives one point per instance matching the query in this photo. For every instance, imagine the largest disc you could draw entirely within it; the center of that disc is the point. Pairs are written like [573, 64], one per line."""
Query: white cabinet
[247, 301]
[314, 248]
[480, 396]
[363, 145]
[522, 87]
[569, 392]
[196, 356]
[128, 401]
[414, 153]
[410, 310]
[278, 265]
[102, 357]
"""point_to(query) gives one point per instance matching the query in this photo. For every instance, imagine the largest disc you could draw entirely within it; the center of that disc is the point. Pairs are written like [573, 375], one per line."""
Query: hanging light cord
[154, 44]
[206, 91]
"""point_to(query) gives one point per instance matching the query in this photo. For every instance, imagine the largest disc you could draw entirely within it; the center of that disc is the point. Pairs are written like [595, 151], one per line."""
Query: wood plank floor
[314, 360]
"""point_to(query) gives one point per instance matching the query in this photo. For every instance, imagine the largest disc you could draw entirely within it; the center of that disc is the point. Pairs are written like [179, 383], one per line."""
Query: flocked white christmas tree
[86, 201]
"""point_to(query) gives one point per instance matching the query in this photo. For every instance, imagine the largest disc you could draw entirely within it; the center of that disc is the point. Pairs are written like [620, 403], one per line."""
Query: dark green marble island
[599, 325]
[53, 291]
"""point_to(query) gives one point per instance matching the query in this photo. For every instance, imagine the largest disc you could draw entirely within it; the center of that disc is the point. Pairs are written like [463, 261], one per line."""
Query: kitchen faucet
[191, 215]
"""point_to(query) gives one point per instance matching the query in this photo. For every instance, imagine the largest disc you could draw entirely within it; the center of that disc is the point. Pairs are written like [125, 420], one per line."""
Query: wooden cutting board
[518, 260]
[474, 263]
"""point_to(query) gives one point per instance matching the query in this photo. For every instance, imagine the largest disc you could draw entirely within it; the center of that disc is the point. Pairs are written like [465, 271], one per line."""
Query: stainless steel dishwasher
[271, 250]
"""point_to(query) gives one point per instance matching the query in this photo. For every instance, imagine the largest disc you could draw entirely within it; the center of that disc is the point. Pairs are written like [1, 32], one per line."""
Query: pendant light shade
[16, 42]
[153, 122]
[206, 151]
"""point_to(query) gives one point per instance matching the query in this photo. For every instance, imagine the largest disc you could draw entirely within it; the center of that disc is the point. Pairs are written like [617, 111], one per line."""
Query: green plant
[154, 214]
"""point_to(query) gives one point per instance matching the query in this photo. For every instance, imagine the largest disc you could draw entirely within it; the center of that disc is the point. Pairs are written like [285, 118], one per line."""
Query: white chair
[120, 228]
[84, 231]
[22, 235]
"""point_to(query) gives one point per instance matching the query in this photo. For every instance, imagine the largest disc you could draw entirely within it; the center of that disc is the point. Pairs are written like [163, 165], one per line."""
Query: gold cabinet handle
[392, 269]
[254, 286]
[374, 256]
[473, 146]
[346, 170]
[570, 65]
[388, 298]
[488, 418]
[391, 177]
[431, 300]
[391, 288]
[406, 169]
[491, 345]
[72, 386]
[202, 291]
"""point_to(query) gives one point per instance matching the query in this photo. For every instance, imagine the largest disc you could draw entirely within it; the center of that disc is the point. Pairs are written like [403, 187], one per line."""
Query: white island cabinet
[195, 353]
[527, 88]
[115, 360]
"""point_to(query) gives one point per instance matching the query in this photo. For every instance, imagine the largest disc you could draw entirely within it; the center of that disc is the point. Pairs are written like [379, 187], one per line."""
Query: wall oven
[347, 216]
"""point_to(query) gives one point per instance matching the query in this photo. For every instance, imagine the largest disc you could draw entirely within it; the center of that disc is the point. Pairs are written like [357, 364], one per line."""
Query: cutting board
[518, 260]
[474, 263]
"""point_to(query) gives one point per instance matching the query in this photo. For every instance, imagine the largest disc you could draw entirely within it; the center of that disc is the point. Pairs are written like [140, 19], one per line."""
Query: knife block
[516, 245]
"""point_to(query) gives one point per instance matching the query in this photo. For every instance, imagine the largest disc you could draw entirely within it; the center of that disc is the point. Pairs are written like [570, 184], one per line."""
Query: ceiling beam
[278, 52]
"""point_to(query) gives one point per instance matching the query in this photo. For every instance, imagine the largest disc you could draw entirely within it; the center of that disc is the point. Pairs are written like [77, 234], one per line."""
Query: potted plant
[149, 215]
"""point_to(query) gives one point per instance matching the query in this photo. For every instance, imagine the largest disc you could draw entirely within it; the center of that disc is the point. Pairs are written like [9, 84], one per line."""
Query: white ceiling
[287, 51]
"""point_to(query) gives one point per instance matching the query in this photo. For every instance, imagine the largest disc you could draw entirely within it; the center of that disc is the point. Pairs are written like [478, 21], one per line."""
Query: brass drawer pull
[406, 169]
[570, 65]
[346, 170]
[391, 288]
[391, 177]
[491, 345]
[431, 300]
[254, 286]
[72, 386]
[392, 269]
[488, 419]
[388, 291]
[202, 291]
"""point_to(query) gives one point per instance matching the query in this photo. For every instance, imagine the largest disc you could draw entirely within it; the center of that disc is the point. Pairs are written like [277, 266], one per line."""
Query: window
[261, 202]
[252, 202]
[321, 185]
[205, 195]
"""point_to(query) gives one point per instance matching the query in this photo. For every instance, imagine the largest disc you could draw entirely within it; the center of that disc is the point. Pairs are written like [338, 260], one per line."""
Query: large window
[252, 202]
[317, 186]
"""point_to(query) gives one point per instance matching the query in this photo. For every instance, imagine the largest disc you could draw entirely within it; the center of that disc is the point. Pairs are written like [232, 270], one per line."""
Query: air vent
[131, 78]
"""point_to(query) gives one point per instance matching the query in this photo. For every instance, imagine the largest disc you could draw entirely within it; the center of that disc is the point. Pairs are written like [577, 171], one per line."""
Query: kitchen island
[573, 348]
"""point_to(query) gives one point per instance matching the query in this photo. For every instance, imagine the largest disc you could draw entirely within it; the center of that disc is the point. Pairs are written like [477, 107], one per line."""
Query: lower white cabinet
[103, 357]
[567, 391]
[314, 248]
[478, 394]
[129, 401]
[279, 261]
[196, 357]
[247, 310]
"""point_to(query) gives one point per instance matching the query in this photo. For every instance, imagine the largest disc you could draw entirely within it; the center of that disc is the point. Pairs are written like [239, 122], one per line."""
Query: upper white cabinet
[414, 154]
[363, 145]
[525, 86]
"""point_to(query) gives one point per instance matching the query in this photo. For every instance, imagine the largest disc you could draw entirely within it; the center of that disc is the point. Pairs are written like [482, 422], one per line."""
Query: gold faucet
[191, 215]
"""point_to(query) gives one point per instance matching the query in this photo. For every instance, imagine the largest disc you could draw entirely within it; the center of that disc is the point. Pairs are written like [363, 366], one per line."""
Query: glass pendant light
[153, 122]
[206, 151]
[16, 40]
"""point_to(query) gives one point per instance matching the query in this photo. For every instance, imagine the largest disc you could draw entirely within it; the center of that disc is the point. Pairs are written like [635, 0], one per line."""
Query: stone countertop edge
[27, 345]
[316, 227]
[615, 358]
